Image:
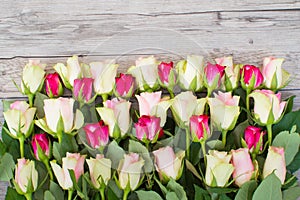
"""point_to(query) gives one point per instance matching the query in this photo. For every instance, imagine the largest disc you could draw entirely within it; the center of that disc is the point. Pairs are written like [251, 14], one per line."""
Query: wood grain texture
[125, 30]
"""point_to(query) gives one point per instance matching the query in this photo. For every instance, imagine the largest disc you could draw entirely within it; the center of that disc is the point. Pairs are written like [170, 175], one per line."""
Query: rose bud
[184, 105]
[243, 166]
[130, 170]
[275, 162]
[274, 76]
[73, 161]
[104, 74]
[254, 137]
[251, 77]
[224, 110]
[199, 127]
[59, 117]
[19, 119]
[97, 134]
[26, 176]
[145, 73]
[53, 85]
[213, 76]
[148, 128]
[70, 72]
[125, 85]
[83, 89]
[168, 164]
[190, 73]
[100, 170]
[116, 114]
[41, 146]
[151, 103]
[33, 77]
[218, 168]
[268, 107]
[166, 74]
[231, 72]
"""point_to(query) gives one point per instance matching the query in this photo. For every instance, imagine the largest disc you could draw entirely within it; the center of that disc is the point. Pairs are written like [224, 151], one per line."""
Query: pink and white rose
[268, 107]
[275, 162]
[19, 119]
[224, 110]
[168, 164]
[130, 171]
[243, 166]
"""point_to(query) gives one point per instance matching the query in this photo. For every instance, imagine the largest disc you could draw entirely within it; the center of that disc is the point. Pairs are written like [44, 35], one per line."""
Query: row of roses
[148, 74]
[220, 167]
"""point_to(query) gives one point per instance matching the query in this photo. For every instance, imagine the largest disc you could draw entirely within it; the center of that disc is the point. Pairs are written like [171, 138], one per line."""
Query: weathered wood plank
[42, 30]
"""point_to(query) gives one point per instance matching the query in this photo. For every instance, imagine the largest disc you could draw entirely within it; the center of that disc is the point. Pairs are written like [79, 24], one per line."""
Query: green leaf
[148, 195]
[246, 191]
[137, 147]
[7, 166]
[195, 152]
[238, 133]
[288, 121]
[201, 194]
[291, 193]
[172, 196]
[177, 188]
[269, 189]
[177, 141]
[115, 153]
[56, 190]
[290, 104]
[224, 197]
[6, 105]
[220, 190]
[295, 164]
[39, 104]
[290, 142]
[68, 144]
[114, 193]
[11, 143]
[192, 168]
[48, 195]
[2, 148]
[12, 194]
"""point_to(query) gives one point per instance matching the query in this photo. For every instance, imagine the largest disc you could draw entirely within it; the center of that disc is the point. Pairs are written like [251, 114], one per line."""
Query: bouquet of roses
[192, 131]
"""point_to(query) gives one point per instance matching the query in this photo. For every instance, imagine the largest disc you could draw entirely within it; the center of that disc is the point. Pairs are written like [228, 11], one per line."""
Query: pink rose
[83, 89]
[166, 74]
[97, 134]
[148, 127]
[275, 162]
[199, 127]
[125, 84]
[53, 85]
[243, 166]
[213, 76]
[43, 142]
[252, 137]
[251, 77]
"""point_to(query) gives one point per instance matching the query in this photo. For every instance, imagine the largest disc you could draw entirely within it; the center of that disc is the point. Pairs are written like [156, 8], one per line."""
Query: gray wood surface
[124, 30]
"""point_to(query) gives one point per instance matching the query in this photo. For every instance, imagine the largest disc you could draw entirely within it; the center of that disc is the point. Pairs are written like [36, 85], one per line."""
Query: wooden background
[125, 30]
